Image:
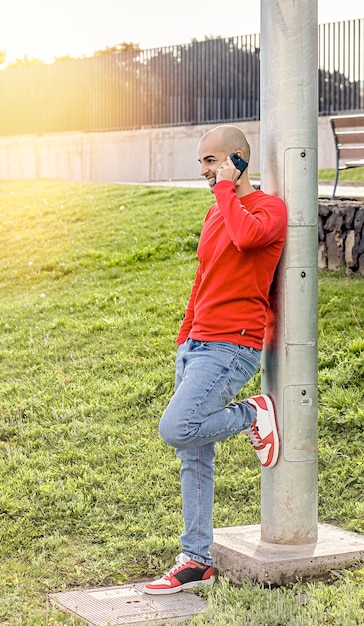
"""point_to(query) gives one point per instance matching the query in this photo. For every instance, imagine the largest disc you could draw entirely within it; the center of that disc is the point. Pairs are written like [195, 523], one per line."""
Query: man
[219, 345]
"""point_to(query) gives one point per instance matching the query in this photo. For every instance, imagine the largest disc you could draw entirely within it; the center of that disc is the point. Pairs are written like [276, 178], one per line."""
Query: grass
[352, 175]
[94, 281]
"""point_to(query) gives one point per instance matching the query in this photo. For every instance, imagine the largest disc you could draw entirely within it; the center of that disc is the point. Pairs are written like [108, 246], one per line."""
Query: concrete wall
[145, 155]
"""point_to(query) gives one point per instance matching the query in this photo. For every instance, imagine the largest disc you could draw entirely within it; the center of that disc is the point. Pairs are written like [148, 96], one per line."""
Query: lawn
[94, 282]
[351, 175]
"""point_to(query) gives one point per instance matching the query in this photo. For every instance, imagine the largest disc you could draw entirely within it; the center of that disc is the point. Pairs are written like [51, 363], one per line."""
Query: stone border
[341, 235]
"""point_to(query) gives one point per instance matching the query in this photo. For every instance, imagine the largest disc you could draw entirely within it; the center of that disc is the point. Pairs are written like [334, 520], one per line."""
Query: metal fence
[341, 66]
[212, 81]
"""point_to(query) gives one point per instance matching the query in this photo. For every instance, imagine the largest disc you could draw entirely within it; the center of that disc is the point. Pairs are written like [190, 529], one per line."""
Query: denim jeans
[208, 376]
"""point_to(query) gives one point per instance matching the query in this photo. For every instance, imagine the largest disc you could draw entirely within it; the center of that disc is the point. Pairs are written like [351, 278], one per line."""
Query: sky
[46, 29]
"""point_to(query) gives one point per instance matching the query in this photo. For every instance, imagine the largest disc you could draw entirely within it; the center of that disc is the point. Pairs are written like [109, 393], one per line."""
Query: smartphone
[239, 162]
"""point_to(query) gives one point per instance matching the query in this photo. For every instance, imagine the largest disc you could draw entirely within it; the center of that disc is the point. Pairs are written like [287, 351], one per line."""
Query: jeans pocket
[181, 351]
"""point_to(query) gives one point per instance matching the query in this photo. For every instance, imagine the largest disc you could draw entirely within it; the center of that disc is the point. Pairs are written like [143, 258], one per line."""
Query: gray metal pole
[289, 101]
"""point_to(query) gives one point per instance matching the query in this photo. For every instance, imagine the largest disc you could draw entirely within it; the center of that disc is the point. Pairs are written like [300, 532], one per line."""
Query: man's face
[210, 157]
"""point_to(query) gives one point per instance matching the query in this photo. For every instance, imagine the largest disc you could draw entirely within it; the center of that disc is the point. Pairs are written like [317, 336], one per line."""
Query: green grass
[94, 281]
[352, 175]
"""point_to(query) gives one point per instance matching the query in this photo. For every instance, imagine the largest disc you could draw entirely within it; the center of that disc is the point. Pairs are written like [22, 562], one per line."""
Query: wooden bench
[349, 141]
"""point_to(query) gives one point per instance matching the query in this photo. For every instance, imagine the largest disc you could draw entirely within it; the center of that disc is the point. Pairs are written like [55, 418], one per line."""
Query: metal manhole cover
[127, 604]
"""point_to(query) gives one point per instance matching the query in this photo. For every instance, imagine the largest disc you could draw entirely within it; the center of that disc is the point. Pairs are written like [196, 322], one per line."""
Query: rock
[321, 231]
[361, 264]
[361, 244]
[322, 256]
[335, 222]
[359, 220]
[335, 251]
[350, 211]
[324, 209]
[351, 249]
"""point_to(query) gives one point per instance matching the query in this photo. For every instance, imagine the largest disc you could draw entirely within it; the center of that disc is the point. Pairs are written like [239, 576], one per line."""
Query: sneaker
[184, 575]
[263, 433]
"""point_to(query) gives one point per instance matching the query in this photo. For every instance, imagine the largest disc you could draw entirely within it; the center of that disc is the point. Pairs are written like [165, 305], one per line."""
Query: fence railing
[201, 82]
[341, 66]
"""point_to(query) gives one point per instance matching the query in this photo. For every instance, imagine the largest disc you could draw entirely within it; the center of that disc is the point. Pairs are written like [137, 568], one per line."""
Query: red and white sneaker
[263, 433]
[184, 575]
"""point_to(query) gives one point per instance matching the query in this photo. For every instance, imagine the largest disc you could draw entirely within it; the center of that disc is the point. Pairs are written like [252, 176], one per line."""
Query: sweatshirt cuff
[224, 184]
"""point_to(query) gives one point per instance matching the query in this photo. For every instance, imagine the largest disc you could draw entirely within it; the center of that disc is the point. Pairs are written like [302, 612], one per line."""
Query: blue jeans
[208, 376]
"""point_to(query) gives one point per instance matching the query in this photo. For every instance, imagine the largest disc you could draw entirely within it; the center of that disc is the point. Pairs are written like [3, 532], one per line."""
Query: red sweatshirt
[240, 246]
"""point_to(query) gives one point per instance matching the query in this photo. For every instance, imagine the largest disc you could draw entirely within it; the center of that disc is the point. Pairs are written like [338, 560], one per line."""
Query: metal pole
[289, 103]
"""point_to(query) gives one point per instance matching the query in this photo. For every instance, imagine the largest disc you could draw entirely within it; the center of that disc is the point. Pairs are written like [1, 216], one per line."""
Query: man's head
[216, 145]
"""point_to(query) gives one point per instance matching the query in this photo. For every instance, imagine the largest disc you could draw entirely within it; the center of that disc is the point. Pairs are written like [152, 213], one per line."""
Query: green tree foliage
[121, 47]
[25, 61]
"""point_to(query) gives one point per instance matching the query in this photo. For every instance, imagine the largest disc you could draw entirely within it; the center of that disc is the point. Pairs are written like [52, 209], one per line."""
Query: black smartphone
[239, 162]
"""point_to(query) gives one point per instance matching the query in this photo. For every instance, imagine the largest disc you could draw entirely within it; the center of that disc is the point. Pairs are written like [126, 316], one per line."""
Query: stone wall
[341, 235]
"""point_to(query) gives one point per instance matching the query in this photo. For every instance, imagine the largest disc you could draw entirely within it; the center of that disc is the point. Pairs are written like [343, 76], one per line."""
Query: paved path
[343, 190]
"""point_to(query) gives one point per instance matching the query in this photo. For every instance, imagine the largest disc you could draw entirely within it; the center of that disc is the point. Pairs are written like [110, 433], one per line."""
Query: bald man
[219, 345]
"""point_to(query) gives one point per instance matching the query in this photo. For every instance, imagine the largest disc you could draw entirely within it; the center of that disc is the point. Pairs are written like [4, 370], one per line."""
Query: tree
[25, 62]
[120, 47]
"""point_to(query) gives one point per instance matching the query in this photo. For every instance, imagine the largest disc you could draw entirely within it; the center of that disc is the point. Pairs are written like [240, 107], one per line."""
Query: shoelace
[254, 437]
[179, 563]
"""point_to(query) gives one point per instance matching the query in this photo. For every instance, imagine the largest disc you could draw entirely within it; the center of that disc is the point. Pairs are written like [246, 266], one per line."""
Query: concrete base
[240, 553]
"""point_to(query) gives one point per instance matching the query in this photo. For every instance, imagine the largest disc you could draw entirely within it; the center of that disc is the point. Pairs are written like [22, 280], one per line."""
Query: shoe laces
[181, 559]
[254, 436]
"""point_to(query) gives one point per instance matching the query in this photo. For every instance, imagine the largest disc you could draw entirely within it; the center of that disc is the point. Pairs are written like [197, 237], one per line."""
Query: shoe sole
[273, 422]
[162, 592]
